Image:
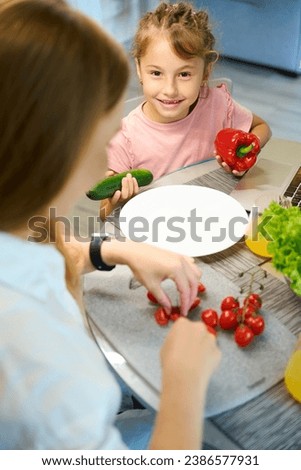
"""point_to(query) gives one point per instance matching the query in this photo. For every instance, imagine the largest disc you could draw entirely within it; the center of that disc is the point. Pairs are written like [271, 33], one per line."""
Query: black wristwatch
[95, 252]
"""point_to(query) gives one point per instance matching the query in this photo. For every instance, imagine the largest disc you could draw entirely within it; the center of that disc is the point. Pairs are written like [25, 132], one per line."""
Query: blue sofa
[266, 32]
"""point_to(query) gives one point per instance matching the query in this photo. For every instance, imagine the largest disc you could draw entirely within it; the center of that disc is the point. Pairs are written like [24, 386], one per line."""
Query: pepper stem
[243, 150]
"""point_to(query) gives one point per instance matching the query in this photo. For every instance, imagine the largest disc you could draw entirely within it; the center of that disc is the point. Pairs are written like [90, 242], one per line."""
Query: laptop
[276, 179]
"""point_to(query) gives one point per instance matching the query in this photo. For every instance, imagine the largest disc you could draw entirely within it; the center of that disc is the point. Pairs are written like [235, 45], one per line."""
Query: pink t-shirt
[163, 148]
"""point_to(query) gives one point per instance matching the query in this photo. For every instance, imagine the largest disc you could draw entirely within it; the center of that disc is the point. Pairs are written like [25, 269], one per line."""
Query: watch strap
[95, 252]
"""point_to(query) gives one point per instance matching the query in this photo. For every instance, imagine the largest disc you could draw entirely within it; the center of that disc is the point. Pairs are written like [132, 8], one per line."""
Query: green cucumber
[107, 187]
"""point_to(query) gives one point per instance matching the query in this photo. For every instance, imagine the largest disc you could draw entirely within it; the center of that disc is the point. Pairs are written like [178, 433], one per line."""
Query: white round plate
[187, 219]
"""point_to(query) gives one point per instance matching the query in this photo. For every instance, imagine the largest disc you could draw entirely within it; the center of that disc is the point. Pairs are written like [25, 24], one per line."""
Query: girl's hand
[152, 265]
[227, 168]
[129, 189]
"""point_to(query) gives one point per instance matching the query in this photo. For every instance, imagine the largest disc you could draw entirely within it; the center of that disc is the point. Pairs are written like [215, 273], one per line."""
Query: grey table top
[259, 423]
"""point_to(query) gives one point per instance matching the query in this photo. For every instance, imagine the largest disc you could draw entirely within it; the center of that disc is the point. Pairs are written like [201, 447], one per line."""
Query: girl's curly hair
[188, 31]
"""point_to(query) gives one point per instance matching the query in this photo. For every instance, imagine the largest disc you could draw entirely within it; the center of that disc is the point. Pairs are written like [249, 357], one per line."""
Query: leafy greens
[283, 227]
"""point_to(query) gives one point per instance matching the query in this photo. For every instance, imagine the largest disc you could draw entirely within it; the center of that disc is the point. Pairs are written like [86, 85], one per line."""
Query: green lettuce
[283, 228]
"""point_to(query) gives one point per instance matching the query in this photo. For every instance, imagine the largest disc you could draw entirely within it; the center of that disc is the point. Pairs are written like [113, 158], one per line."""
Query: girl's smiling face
[171, 84]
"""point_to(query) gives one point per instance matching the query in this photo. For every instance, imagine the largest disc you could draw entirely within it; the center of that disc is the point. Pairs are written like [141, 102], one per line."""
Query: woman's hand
[189, 356]
[152, 265]
[190, 352]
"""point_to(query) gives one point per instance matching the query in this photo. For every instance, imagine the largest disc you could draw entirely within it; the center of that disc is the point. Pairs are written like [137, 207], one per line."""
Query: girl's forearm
[261, 129]
[106, 207]
[263, 132]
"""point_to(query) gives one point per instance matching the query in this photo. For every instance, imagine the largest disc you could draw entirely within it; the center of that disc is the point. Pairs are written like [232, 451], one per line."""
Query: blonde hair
[188, 31]
[60, 73]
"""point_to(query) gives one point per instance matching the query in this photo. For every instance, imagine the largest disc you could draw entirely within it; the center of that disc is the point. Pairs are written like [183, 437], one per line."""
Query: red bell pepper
[237, 148]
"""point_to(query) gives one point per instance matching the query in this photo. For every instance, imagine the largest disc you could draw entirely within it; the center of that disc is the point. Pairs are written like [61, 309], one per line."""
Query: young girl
[62, 86]
[177, 123]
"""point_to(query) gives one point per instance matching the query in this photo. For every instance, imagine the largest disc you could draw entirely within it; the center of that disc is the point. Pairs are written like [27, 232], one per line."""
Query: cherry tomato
[161, 317]
[211, 330]
[195, 303]
[256, 323]
[201, 288]
[243, 336]
[239, 314]
[229, 302]
[249, 310]
[228, 320]
[210, 317]
[175, 313]
[175, 316]
[253, 299]
[151, 298]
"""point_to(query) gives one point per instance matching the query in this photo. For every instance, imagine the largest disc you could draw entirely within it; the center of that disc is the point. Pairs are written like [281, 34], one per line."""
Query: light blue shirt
[56, 391]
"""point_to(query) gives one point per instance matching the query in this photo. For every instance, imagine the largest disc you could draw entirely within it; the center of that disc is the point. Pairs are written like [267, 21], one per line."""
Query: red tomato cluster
[244, 319]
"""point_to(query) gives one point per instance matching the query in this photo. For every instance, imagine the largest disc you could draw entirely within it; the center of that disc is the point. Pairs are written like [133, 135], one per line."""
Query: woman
[62, 86]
